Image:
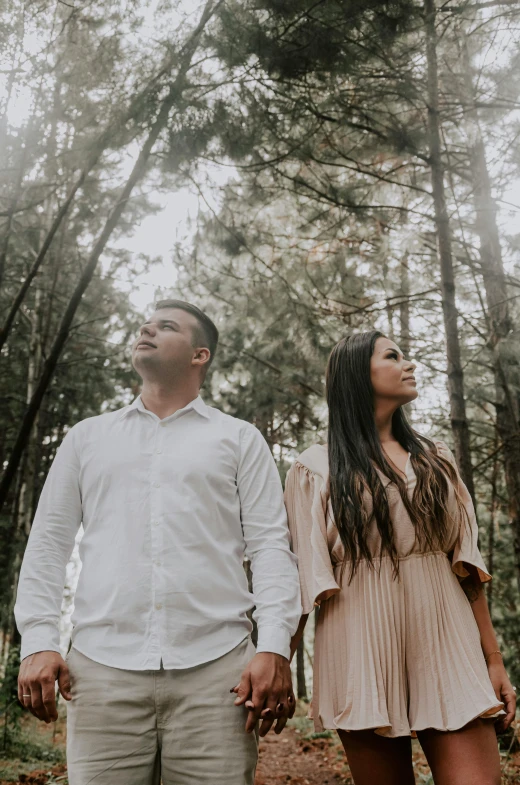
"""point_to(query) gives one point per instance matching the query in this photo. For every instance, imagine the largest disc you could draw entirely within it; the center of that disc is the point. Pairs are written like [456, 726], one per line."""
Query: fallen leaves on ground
[296, 757]
[293, 758]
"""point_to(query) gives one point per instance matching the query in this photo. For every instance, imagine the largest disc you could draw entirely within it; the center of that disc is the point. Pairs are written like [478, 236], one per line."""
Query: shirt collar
[197, 404]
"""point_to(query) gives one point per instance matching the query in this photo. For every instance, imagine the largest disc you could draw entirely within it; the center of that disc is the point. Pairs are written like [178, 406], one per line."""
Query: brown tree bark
[458, 418]
[301, 685]
[27, 474]
[497, 301]
[138, 171]
[249, 575]
[495, 509]
[404, 307]
[11, 211]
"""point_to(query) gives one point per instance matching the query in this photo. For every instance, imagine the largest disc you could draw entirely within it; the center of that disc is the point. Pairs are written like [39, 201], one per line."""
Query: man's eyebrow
[168, 321]
[164, 321]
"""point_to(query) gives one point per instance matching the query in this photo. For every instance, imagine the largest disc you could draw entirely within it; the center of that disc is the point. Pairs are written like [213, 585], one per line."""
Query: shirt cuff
[273, 639]
[42, 637]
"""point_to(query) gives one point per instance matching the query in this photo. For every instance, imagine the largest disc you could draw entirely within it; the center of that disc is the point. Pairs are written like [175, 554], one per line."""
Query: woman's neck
[383, 417]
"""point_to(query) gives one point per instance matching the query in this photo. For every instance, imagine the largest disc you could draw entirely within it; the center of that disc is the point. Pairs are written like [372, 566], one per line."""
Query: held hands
[36, 680]
[504, 692]
[266, 691]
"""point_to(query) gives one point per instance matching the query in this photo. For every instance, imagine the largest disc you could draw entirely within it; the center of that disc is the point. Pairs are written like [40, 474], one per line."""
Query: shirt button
[158, 606]
[157, 563]
[157, 485]
[155, 523]
[159, 451]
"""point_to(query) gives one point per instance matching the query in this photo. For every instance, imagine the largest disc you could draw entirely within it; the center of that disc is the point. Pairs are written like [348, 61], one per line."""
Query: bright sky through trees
[276, 170]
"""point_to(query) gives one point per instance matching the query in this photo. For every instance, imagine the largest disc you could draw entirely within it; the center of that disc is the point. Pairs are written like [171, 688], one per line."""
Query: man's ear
[201, 356]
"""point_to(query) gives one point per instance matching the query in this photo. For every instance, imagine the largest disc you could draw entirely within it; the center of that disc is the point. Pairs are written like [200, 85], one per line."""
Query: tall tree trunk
[38, 315]
[249, 575]
[495, 509]
[11, 211]
[389, 292]
[404, 308]
[459, 422]
[498, 315]
[174, 93]
[301, 685]
[4, 569]
[25, 503]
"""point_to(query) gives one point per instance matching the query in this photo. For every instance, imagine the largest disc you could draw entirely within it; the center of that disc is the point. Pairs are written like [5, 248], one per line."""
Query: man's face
[165, 344]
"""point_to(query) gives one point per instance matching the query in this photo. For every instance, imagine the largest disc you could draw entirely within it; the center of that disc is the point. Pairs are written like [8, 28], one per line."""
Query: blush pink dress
[396, 655]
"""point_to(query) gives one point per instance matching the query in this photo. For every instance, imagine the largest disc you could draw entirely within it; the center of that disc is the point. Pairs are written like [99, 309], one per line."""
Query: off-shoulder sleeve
[306, 504]
[466, 549]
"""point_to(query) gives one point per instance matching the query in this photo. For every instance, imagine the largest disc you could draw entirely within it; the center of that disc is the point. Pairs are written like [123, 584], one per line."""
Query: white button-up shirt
[169, 509]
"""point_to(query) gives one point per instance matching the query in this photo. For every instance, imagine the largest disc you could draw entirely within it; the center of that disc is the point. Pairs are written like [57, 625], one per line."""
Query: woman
[386, 537]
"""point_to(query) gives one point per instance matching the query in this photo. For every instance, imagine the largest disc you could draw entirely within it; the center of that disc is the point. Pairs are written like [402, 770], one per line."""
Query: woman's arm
[472, 587]
[298, 635]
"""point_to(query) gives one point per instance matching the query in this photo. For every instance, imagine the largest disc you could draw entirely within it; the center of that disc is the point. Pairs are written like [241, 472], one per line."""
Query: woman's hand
[504, 692]
[265, 689]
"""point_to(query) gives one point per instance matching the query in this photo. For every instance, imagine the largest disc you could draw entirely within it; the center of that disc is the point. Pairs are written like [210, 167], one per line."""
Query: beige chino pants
[180, 727]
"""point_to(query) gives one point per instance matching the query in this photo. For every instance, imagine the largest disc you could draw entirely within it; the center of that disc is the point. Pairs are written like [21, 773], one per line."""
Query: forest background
[298, 170]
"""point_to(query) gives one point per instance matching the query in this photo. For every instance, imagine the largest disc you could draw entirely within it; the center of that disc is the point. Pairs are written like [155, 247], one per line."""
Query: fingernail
[267, 713]
[279, 707]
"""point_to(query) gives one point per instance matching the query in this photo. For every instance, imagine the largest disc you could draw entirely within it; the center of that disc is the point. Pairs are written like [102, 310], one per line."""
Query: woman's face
[391, 374]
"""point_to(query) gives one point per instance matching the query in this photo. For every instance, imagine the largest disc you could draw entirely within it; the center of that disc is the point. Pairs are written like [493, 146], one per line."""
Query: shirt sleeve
[264, 523]
[466, 549]
[42, 575]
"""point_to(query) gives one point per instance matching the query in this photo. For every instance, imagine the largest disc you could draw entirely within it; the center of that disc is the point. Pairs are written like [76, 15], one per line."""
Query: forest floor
[296, 757]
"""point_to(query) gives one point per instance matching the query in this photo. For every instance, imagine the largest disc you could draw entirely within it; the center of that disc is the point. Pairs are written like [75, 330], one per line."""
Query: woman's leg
[468, 756]
[377, 759]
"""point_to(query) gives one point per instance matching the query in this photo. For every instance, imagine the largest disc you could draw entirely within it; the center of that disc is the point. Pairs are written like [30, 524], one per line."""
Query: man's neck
[164, 400]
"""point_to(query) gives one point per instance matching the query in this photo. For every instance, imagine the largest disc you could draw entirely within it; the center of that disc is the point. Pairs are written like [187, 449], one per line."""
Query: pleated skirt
[400, 654]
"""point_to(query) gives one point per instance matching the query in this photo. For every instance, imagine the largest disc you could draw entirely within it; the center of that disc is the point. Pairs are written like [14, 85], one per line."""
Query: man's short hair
[205, 335]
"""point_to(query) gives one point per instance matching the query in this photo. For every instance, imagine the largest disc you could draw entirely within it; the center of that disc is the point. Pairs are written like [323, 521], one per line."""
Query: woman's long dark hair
[355, 451]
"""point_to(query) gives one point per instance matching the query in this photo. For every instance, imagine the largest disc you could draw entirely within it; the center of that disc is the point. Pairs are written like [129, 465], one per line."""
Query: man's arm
[266, 688]
[42, 579]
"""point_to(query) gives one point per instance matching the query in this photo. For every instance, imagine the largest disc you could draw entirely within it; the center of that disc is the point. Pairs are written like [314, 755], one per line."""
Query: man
[171, 493]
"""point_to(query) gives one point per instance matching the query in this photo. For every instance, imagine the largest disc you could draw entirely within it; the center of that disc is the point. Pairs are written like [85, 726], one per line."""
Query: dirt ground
[300, 757]
[293, 758]
[296, 757]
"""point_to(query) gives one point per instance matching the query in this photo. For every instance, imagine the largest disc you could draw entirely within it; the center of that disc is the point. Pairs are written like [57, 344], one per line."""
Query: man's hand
[266, 690]
[36, 680]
